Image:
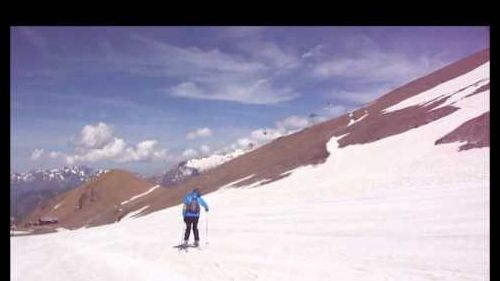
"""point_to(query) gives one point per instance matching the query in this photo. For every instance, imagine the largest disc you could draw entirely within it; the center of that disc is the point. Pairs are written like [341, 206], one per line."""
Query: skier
[191, 214]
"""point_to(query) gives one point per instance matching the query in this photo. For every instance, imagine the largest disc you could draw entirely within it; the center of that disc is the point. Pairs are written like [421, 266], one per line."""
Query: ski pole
[183, 231]
[206, 226]
[183, 227]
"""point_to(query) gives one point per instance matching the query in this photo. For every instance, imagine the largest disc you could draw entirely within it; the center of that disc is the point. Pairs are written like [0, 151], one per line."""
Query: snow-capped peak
[55, 174]
[212, 161]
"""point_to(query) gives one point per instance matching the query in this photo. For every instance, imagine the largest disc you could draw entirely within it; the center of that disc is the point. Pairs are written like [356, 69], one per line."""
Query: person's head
[197, 192]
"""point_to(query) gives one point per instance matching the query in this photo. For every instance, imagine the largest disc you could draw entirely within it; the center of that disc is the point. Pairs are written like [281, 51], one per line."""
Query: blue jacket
[187, 199]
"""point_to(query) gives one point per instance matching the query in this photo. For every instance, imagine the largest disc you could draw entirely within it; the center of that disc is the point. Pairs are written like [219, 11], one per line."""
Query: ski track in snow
[361, 215]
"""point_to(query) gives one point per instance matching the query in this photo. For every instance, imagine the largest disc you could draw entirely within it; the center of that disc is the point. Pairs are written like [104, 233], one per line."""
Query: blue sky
[143, 98]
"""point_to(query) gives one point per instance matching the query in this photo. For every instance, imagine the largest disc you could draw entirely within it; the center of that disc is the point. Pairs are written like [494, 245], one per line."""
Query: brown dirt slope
[475, 133]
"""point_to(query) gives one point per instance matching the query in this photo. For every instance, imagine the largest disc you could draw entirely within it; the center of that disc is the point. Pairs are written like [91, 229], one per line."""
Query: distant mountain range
[174, 175]
[30, 189]
[35, 188]
[62, 175]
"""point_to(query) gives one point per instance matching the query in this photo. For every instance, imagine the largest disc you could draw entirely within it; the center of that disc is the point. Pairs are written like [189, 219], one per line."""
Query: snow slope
[400, 208]
[455, 89]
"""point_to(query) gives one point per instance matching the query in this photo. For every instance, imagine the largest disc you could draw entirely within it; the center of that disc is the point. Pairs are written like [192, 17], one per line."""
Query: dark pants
[191, 221]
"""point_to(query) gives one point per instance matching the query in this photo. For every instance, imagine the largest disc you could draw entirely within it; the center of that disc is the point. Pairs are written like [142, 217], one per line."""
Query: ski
[185, 247]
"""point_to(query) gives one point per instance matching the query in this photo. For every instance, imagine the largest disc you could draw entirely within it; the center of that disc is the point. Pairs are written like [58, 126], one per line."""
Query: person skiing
[191, 214]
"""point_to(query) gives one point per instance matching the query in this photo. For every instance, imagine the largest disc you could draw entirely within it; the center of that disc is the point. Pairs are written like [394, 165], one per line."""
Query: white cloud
[190, 153]
[97, 143]
[264, 135]
[373, 66]
[360, 94]
[187, 89]
[205, 149]
[55, 154]
[37, 154]
[144, 151]
[286, 126]
[245, 76]
[249, 92]
[282, 127]
[110, 151]
[255, 138]
[245, 142]
[314, 52]
[94, 136]
[199, 133]
[332, 111]
[292, 123]
[176, 61]
[271, 54]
